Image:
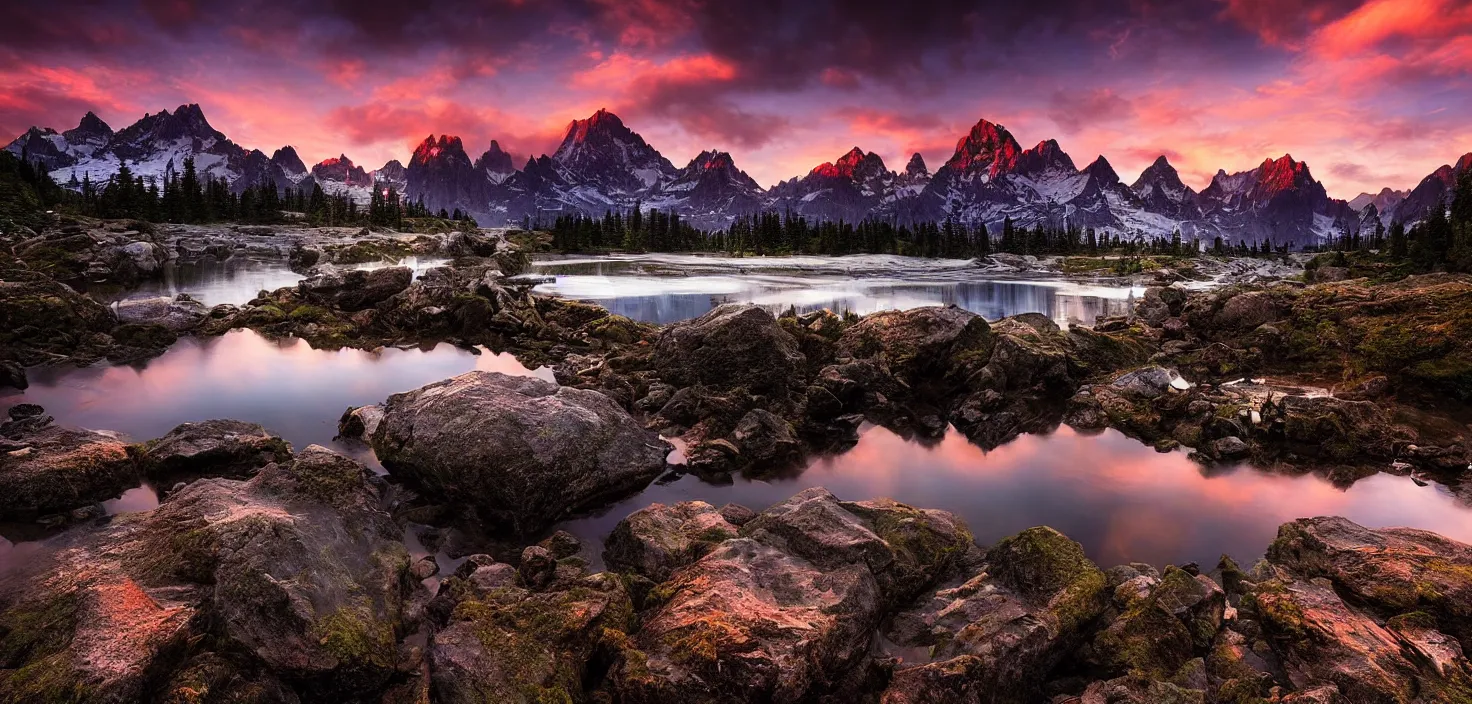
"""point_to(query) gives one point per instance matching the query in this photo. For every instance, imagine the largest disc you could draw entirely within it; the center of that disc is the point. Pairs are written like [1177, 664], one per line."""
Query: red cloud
[1285, 22]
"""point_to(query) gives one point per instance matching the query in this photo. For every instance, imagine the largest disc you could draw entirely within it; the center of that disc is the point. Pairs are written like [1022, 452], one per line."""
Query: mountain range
[604, 165]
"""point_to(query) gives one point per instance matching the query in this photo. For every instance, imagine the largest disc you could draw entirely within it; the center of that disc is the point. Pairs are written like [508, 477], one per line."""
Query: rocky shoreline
[293, 585]
[273, 575]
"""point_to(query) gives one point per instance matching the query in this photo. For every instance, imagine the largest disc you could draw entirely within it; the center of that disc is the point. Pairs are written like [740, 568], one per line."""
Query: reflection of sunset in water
[287, 386]
[1120, 498]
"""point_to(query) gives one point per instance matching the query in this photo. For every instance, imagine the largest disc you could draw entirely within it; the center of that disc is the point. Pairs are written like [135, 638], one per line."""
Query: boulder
[785, 612]
[1145, 383]
[12, 375]
[354, 289]
[658, 539]
[995, 636]
[178, 314]
[47, 468]
[1197, 601]
[731, 346]
[1246, 311]
[765, 437]
[905, 548]
[296, 571]
[1030, 358]
[1323, 641]
[512, 645]
[214, 448]
[1332, 428]
[521, 451]
[919, 342]
[40, 318]
[1394, 570]
[750, 622]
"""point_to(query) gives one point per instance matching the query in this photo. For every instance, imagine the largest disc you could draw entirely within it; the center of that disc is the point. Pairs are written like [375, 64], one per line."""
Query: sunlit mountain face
[1372, 94]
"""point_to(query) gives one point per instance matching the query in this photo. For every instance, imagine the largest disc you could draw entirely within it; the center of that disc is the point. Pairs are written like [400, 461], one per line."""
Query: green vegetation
[786, 233]
[26, 190]
[1441, 242]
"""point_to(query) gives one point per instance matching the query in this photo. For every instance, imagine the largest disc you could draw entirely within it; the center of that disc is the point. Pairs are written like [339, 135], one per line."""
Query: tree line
[788, 233]
[1441, 241]
[187, 196]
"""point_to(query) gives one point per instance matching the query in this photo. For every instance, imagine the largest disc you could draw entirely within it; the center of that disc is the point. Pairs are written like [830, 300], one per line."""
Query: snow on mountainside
[495, 164]
[709, 192]
[340, 176]
[848, 189]
[602, 165]
[391, 174]
[601, 152]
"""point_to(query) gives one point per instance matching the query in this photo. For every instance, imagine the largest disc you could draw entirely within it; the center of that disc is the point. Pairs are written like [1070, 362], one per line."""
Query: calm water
[1118, 497]
[669, 288]
[238, 279]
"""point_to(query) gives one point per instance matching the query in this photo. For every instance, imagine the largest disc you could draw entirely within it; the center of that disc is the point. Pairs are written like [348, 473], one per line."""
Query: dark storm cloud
[775, 43]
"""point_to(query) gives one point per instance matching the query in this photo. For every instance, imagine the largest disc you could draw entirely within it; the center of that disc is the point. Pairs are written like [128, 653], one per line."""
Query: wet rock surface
[288, 582]
[219, 447]
[294, 584]
[521, 452]
[731, 346]
[46, 468]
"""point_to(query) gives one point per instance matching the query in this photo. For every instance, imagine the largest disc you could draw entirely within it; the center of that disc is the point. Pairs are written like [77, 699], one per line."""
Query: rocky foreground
[292, 583]
[269, 574]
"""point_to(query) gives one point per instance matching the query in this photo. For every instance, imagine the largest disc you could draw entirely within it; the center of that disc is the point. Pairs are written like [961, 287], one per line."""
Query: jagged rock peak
[393, 172]
[712, 160]
[1045, 157]
[445, 147]
[495, 160]
[602, 126]
[1282, 174]
[603, 120]
[853, 162]
[91, 124]
[1102, 171]
[286, 157]
[987, 145]
[916, 166]
[1161, 174]
[600, 151]
[342, 169]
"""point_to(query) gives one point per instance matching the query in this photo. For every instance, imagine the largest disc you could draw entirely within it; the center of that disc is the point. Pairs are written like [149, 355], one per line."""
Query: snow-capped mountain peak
[1382, 201]
[916, 167]
[341, 169]
[988, 148]
[600, 150]
[1045, 158]
[495, 163]
[286, 158]
[393, 174]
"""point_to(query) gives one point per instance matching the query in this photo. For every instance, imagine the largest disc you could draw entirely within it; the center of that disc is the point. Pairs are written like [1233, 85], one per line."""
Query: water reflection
[292, 389]
[238, 279]
[678, 291]
[1119, 498]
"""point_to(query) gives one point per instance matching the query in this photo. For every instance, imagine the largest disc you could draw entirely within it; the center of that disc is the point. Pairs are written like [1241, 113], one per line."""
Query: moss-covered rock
[658, 539]
[213, 448]
[520, 647]
[57, 469]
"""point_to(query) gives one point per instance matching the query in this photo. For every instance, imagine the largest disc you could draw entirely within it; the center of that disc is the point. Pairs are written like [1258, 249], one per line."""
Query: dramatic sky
[1371, 93]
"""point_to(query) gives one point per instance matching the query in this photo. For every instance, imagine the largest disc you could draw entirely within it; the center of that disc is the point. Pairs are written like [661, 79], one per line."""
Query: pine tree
[1398, 245]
